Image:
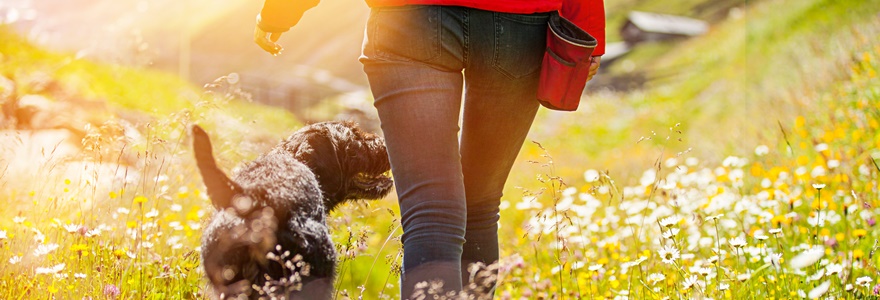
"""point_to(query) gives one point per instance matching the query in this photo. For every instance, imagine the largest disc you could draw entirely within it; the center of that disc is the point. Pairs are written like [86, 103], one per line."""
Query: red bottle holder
[566, 64]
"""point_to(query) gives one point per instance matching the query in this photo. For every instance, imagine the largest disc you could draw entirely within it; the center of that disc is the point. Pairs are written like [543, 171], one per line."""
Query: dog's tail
[221, 189]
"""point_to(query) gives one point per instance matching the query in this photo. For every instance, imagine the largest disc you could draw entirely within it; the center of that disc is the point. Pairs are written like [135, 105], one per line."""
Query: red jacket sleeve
[280, 15]
[589, 15]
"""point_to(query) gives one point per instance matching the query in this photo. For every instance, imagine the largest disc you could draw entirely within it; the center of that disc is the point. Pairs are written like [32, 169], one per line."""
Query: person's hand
[594, 66]
[267, 41]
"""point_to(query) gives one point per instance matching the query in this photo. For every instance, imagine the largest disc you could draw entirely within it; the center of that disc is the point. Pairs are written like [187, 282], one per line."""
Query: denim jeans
[423, 64]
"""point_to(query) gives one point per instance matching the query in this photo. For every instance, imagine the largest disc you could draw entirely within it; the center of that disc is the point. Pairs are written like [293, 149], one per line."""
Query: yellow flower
[860, 233]
[79, 247]
[119, 253]
[140, 199]
[858, 254]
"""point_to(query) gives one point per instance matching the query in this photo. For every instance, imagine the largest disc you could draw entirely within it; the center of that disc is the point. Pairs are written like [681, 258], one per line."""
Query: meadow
[751, 172]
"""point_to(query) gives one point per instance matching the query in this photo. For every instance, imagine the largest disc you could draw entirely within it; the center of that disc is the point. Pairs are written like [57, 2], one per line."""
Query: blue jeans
[420, 60]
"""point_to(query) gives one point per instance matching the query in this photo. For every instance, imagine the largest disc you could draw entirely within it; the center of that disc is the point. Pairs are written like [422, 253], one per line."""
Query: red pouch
[566, 64]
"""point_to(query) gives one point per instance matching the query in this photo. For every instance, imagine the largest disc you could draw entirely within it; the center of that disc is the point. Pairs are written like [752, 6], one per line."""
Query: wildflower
[834, 269]
[848, 287]
[52, 270]
[774, 259]
[111, 291]
[864, 281]
[672, 232]
[670, 221]
[45, 249]
[877, 289]
[818, 186]
[176, 207]
[808, 257]
[713, 218]
[743, 277]
[123, 210]
[705, 271]
[820, 290]
[2, 235]
[860, 233]
[737, 242]
[71, 228]
[140, 199]
[655, 278]
[637, 261]
[690, 282]
[591, 175]
[595, 267]
[669, 254]
[761, 237]
[775, 231]
[152, 214]
[14, 260]
[79, 275]
[93, 233]
[724, 286]
[819, 274]
[39, 237]
[18, 220]
[762, 150]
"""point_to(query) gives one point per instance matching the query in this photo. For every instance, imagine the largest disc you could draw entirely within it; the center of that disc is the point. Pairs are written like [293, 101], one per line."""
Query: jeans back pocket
[520, 41]
[410, 32]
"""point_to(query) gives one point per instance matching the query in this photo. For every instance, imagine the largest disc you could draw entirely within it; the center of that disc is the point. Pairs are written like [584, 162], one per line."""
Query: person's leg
[416, 80]
[501, 78]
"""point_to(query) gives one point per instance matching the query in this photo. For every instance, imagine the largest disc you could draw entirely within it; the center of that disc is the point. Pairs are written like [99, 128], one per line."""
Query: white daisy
[671, 233]
[669, 254]
[18, 220]
[864, 281]
[3, 235]
[14, 260]
[45, 249]
[713, 218]
[51, 270]
[152, 214]
[818, 186]
[690, 282]
[808, 257]
[834, 269]
[820, 290]
[762, 150]
[655, 278]
[724, 286]
[71, 228]
[737, 242]
[670, 221]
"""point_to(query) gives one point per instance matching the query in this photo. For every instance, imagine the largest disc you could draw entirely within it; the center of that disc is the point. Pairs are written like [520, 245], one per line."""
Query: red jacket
[280, 15]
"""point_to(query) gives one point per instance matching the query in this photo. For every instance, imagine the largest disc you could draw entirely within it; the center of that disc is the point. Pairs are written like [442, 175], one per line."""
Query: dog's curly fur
[277, 204]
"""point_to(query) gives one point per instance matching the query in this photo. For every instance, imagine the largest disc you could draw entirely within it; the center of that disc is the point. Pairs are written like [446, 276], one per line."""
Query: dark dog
[269, 236]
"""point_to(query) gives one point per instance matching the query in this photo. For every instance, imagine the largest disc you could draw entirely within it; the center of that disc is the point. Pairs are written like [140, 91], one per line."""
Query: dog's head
[349, 164]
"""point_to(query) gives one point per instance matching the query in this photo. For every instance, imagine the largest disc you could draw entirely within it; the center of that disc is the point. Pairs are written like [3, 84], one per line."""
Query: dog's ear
[221, 189]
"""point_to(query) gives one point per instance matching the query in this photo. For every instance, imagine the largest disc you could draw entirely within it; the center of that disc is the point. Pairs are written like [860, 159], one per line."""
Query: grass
[741, 174]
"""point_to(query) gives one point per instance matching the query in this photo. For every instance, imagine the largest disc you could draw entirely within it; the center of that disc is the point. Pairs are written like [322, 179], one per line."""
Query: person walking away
[420, 57]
